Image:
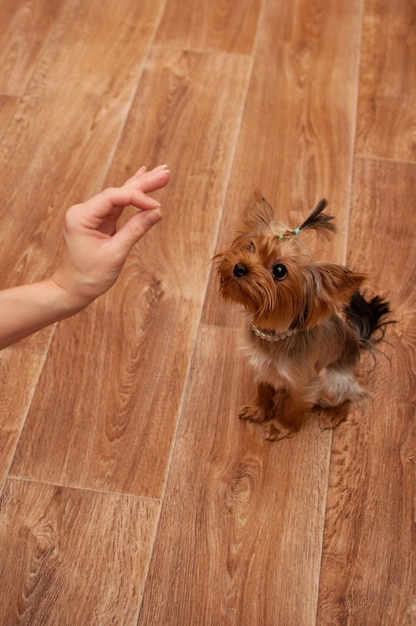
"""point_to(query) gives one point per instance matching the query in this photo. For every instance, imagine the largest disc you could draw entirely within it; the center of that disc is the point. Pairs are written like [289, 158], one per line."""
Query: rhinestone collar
[270, 335]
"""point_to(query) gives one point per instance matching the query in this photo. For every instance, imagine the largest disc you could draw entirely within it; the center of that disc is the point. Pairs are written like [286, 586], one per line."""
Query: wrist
[64, 301]
[29, 308]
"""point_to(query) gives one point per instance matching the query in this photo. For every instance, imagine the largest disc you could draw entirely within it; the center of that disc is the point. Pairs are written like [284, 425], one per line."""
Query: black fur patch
[368, 316]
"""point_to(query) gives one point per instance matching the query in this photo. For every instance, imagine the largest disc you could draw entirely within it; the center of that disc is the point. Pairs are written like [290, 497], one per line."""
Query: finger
[134, 229]
[143, 170]
[107, 201]
[150, 181]
[139, 172]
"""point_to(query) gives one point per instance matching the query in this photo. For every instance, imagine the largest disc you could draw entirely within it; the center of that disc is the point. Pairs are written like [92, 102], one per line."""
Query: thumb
[135, 228]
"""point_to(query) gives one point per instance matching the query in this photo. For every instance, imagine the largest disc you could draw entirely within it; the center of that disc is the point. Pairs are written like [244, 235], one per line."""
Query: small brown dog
[308, 321]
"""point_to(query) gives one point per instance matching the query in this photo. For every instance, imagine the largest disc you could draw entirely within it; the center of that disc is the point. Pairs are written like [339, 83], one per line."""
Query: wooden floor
[130, 492]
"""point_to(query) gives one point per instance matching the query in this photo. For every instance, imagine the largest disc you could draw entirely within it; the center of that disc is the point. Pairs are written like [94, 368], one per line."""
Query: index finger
[149, 181]
[112, 198]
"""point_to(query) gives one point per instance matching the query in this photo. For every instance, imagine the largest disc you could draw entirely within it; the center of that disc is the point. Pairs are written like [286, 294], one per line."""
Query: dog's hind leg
[331, 417]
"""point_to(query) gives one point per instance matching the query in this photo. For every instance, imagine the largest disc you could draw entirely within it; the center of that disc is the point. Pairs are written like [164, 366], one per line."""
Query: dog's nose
[240, 270]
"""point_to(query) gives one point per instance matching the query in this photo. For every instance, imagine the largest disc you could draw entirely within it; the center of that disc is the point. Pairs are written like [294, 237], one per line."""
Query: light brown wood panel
[106, 417]
[25, 28]
[218, 25]
[7, 107]
[387, 112]
[297, 134]
[72, 557]
[126, 399]
[19, 374]
[65, 130]
[239, 540]
[369, 571]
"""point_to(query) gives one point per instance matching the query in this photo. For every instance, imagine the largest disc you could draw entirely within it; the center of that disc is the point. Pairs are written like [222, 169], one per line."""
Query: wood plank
[65, 129]
[387, 112]
[218, 25]
[72, 557]
[106, 417]
[7, 107]
[368, 570]
[25, 28]
[19, 375]
[239, 540]
[297, 134]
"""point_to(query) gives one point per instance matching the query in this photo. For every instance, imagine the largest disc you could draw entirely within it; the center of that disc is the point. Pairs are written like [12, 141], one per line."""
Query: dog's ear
[258, 214]
[329, 288]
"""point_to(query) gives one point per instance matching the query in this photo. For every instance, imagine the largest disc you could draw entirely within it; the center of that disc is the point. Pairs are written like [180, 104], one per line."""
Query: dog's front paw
[273, 431]
[252, 413]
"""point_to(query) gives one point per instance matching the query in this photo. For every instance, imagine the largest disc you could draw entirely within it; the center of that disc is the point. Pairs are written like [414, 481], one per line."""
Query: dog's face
[271, 272]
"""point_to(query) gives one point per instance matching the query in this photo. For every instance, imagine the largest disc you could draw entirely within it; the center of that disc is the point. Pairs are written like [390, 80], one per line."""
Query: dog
[308, 321]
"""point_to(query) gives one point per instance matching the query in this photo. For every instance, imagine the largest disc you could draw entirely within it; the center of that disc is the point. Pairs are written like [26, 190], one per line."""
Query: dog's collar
[271, 335]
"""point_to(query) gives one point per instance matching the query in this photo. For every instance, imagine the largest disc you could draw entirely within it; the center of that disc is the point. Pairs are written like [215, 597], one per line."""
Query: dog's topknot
[319, 220]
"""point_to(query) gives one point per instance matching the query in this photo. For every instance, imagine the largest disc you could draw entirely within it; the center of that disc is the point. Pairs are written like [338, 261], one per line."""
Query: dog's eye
[279, 271]
[251, 247]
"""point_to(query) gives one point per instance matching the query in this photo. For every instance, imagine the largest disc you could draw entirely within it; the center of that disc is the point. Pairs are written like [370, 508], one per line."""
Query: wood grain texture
[25, 28]
[297, 134]
[131, 351]
[387, 112]
[369, 571]
[222, 25]
[73, 111]
[46, 577]
[65, 130]
[231, 508]
[138, 395]
[19, 375]
[7, 107]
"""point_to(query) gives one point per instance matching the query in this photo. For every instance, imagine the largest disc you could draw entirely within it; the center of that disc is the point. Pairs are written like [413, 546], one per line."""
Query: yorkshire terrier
[308, 321]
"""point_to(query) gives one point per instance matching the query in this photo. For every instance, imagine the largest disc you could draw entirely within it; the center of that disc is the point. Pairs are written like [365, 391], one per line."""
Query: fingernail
[152, 217]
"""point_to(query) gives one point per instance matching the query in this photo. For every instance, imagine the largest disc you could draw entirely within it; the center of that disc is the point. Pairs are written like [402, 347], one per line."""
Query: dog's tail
[368, 318]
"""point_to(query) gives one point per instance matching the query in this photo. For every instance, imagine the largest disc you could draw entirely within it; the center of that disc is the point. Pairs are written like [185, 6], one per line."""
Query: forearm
[29, 308]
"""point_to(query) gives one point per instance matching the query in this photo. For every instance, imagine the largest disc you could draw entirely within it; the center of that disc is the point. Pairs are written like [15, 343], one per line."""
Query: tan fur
[315, 366]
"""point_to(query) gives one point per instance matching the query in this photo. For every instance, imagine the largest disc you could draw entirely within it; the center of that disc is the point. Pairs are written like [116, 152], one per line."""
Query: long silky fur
[326, 322]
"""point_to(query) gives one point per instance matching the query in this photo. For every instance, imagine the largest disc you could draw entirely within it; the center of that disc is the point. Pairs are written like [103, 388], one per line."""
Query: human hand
[94, 252]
